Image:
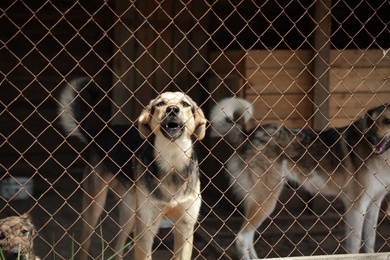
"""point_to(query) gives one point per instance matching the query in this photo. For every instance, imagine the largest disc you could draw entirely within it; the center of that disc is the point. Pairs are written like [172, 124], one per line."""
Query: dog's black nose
[15, 253]
[173, 110]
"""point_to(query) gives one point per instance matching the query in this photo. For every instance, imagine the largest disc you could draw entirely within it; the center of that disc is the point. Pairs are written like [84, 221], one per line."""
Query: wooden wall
[280, 83]
[152, 54]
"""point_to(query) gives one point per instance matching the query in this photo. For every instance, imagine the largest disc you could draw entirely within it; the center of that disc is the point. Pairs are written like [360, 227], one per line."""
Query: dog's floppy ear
[26, 216]
[200, 123]
[144, 122]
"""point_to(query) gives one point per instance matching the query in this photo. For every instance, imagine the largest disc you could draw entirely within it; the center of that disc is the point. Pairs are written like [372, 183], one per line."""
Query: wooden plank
[321, 62]
[198, 64]
[340, 121]
[359, 58]
[346, 108]
[144, 62]
[291, 122]
[123, 107]
[278, 81]
[354, 104]
[280, 59]
[352, 80]
[296, 111]
[263, 66]
[358, 81]
[161, 48]
[301, 58]
[281, 107]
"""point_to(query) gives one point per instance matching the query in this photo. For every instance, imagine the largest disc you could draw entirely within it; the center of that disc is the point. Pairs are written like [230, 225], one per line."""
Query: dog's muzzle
[15, 254]
[172, 126]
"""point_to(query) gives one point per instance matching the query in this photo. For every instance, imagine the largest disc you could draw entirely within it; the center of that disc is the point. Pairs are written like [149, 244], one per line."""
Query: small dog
[350, 163]
[153, 168]
[16, 238]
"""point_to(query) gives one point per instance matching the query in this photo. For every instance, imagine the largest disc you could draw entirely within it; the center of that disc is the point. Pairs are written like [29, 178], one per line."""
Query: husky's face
[379, 122]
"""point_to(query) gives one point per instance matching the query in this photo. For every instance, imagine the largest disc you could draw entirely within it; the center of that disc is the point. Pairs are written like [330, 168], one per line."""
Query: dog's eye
[160, 104]
[185, 104]
[2, 236]
[23, 232]
[229, 120]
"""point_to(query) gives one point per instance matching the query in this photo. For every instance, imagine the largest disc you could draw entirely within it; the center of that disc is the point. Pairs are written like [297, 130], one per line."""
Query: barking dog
[16, 238]
[350, 163]
[153, 168]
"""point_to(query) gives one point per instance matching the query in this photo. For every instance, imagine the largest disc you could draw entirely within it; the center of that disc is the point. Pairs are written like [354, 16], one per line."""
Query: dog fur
[350, 163]
[152, 167]
[16, 238]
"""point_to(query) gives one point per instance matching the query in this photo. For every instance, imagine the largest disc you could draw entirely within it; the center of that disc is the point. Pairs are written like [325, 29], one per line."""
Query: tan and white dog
[350, 163]
[17, 238]
[152, 167]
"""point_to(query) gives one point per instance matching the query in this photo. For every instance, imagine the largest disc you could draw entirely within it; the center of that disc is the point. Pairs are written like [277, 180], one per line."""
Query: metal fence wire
[312, 65]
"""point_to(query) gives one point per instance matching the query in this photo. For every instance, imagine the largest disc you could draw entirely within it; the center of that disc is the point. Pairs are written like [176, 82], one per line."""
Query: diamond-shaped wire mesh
[315, 65]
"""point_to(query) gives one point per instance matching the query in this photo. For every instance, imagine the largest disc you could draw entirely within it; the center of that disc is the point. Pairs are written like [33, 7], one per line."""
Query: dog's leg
[94, 200]
[370, 223]
[258, 206]
[354, 219]
[144, 237]
[126, 222]
[184, 236]
[147, 223]
[185, 218]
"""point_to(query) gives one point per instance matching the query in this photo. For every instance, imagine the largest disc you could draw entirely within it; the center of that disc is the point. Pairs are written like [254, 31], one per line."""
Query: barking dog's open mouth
[172, 128]
[383, 145]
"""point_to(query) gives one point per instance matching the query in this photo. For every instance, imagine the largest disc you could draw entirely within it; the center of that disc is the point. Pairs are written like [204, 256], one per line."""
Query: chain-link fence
[303, 64]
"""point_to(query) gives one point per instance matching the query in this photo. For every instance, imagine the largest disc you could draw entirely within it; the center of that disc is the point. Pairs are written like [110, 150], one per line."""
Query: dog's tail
[71, 118]
[228, 118]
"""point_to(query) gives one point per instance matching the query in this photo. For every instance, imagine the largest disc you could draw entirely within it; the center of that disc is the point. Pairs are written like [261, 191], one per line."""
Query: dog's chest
[175, 185]
[168, 171]
[172, 156]
[175, 177]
